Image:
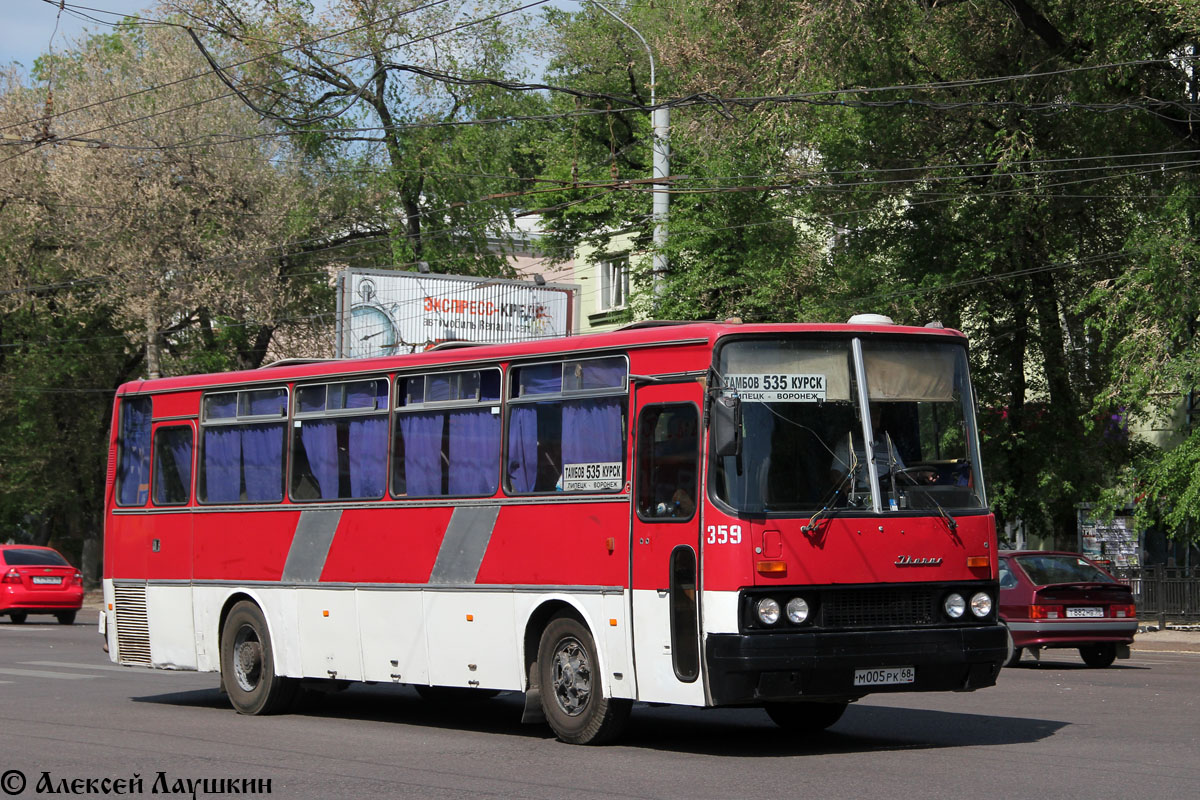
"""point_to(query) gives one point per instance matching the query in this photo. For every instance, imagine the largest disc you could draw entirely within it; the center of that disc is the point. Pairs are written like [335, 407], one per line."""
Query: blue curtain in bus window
[474, 451]
[522, 448]
[223, 464]
[267, 401]
[368, 456]
[439, 388]
[422, 453]
[367, 394]
[134, 476]
[220, 406]
[542, 379]
[262, 457]
[319, 438]
[179, 450]
[591, 431]
[608, 373]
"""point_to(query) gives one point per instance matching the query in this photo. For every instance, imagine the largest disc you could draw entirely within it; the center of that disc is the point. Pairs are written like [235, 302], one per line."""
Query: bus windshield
[803, 427]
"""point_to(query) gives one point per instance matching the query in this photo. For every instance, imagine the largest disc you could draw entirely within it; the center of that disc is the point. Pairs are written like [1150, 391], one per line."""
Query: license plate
[1085, 611]
[884, 676]
[47, 579]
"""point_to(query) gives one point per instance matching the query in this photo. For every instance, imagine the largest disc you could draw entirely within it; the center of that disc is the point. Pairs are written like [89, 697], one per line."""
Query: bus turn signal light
[978, 562]
[771, 567]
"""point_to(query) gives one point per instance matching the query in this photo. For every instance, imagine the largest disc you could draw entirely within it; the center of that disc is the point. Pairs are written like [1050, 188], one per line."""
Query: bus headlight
[797, 610]
[768, 611]
[981, 604]
[954, 605]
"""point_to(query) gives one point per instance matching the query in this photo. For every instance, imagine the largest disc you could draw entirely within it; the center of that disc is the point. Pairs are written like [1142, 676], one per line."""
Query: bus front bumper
[845, 665]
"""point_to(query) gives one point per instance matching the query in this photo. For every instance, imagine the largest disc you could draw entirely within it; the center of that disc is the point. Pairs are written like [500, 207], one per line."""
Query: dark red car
[1057, 599]
[38, 580]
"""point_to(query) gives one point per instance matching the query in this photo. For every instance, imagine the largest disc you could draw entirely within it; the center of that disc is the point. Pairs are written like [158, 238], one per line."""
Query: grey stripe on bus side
[310, 545]
[464, 545]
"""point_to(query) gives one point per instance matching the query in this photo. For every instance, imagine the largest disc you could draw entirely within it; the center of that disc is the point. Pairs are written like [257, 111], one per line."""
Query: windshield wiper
[951, 523]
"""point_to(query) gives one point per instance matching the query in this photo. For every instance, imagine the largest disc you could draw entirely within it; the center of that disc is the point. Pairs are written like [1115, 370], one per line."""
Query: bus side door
[665, 543]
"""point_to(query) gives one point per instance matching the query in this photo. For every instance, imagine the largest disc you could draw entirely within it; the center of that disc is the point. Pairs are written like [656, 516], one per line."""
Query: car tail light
[12, 576]
[1125, 610]
[1045, 612]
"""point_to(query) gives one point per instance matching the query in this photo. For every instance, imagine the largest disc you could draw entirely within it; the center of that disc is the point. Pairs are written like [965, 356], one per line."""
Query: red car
[1056, 599]
[38, 580]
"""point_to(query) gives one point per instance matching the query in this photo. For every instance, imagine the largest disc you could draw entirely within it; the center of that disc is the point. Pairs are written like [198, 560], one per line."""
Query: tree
[993, 205]
[149, 235]
[412, 89]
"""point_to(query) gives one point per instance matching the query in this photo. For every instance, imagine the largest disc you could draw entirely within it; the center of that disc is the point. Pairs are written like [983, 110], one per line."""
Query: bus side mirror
[727, 425]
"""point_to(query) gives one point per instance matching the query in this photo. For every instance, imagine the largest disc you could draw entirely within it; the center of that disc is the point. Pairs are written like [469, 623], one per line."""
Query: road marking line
[41, 673]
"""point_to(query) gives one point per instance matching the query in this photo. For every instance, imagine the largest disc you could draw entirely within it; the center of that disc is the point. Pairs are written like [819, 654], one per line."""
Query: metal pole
[660, 124]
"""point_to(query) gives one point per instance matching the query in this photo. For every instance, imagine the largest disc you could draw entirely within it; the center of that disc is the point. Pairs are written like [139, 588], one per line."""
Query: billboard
[1115, 541]
[381, 312]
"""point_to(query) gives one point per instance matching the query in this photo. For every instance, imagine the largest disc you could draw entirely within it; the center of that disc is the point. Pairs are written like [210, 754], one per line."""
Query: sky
[27, 25]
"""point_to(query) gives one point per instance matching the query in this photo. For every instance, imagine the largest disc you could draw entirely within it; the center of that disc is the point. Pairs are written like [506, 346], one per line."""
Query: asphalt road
[1054, 729]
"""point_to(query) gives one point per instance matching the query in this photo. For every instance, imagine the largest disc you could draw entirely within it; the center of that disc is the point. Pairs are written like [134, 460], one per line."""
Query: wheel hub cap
[247, 659]
[572, 677]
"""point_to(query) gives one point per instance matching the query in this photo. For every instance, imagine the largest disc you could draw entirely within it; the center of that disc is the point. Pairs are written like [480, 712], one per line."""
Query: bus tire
[18, 617]
[248, 664]
[572, 696]
[806, 718]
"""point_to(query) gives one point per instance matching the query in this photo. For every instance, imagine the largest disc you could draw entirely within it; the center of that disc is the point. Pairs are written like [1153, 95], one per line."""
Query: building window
[614, 283]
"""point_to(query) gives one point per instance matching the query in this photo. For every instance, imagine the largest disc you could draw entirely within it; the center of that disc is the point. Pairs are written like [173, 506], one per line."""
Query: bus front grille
[877, 608]
[133, 628]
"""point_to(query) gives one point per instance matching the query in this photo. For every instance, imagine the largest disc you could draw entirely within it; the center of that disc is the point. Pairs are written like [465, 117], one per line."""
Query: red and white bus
[673, 513]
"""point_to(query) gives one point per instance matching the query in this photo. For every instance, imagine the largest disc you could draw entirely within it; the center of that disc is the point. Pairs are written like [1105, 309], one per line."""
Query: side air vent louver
[133, 629]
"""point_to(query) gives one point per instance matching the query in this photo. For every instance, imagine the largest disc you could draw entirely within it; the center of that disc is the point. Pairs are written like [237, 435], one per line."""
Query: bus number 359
[724, 534]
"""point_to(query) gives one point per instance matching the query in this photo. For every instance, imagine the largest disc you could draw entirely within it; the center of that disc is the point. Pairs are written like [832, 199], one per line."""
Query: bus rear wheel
[572, 695]
[248, 664]
[806, 718]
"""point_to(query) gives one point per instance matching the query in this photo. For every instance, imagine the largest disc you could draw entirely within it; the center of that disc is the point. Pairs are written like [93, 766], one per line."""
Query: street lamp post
[660, 124]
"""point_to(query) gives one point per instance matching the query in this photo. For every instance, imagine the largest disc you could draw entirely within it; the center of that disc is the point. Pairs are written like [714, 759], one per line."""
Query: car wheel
[248, 664]
[572, 698]
[18, 617]
[1099, 655]
[66, 618]
[803, 718]
[1013, 654]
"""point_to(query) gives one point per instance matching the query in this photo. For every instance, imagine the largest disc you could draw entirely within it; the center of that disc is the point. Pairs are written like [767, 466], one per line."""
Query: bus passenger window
[241, 446]
[133, 476]
[173, 465]
[339, 445]
[566, 426]
[447, 434]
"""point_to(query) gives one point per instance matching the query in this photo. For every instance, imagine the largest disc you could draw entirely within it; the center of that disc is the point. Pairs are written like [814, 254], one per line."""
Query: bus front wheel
[248, 664]
[572, 694]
